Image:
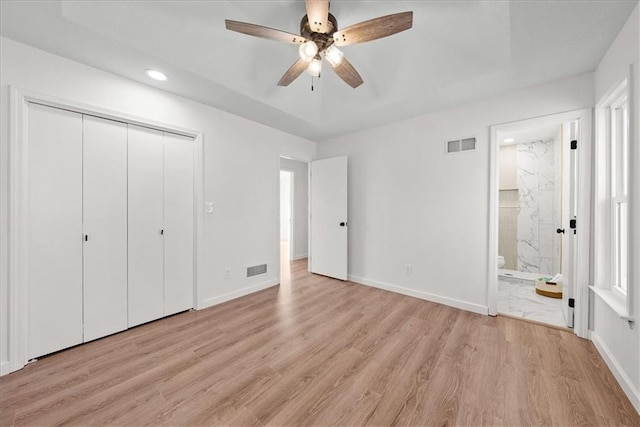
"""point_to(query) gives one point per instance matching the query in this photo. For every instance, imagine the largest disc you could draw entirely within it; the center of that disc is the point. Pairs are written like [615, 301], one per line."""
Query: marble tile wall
[538, 174]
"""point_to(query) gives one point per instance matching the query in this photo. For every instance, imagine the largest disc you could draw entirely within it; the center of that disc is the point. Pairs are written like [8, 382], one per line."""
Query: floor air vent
[458, 145]
[256, 270]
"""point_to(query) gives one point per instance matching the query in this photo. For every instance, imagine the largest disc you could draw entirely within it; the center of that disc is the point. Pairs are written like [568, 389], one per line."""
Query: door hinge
[574, 144]
[572, 302]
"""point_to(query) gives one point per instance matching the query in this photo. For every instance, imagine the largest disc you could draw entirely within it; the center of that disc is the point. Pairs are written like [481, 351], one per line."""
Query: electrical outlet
[227, 273]
[408, 269]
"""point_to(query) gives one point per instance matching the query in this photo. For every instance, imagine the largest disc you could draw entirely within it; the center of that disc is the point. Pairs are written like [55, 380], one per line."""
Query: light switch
[208, 207]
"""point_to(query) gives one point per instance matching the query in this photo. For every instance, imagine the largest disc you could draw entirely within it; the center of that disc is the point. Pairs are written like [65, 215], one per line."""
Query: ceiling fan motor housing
[323, 40]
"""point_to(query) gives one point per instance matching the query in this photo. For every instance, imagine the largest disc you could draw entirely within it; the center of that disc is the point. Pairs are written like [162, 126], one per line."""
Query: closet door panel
[55, 230]
[178, 223]
[105, 227]
[146, 289]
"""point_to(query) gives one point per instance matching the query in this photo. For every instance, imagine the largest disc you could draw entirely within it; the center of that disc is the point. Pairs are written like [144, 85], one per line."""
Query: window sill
[614, 300]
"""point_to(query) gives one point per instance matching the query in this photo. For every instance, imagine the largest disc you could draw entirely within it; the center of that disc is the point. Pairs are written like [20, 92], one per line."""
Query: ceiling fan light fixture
[315, 67]
[334, 56]
[308, 50]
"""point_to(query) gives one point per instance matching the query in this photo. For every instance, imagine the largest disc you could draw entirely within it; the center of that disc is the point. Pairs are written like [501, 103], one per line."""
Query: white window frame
[612, 176]
[618, 135]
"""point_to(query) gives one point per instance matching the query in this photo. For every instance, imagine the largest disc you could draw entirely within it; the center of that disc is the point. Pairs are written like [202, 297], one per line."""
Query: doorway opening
[294, 217]
[538, 191]
[530, 195]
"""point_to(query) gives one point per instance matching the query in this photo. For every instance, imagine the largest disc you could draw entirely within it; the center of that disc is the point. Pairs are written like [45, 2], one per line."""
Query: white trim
[199, 208]
[615, 300]
[5, 368]
[19, 100]
[583, 258]
[102, 112]
[18, 207]
[581, 290]
[451, 302]
[494, 198]
[625, 382]
[299, 256]
[210, 302]
[292, 212]
[633, 284]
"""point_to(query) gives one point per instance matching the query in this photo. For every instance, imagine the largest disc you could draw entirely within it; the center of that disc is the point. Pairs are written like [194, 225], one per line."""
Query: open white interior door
[569, 211]
[328, 219]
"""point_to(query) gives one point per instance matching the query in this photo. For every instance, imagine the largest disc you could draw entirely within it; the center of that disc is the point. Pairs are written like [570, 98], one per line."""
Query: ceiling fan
[319, 35]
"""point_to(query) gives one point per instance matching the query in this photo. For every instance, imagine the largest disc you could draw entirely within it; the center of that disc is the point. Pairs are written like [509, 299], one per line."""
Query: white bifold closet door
[105, 227]
[178, 223]
[54, 230]
[160, 224]
[146, 287]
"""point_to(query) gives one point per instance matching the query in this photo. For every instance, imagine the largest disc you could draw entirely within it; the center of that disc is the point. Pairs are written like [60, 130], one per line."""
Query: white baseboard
[452, 302]
[299, 256]
[209, 302]
[616, 370]
[5, 367]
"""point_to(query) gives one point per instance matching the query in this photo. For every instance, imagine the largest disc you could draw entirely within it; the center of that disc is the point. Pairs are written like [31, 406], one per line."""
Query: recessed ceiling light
[156, 75]
[507, 140]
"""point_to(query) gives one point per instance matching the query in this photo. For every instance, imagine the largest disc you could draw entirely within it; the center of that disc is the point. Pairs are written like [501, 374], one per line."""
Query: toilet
[500, 261]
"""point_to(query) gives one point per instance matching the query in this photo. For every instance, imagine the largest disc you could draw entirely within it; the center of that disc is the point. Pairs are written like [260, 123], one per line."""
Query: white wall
[410, 203]
[240, 166]
[615, 339]
[301, 205]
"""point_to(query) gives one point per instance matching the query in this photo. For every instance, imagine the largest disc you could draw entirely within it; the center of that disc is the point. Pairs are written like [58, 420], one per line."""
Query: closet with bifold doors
[110, 227]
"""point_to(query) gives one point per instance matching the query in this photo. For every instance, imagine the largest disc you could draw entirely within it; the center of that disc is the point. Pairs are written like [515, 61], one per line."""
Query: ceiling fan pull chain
[311, 83]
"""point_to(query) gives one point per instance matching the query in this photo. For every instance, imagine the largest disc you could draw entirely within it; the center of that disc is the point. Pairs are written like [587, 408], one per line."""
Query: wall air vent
[256, 270]
[458, 145]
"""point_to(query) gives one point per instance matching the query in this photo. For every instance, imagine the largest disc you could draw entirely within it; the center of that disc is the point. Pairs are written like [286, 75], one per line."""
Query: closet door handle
[86, 237]
[162, 232]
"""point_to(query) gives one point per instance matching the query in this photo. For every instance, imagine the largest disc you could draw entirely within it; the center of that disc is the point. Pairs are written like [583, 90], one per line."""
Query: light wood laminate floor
[316, 351]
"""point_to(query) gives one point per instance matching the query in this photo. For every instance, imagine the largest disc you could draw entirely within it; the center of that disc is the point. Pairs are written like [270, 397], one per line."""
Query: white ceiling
[456, 52]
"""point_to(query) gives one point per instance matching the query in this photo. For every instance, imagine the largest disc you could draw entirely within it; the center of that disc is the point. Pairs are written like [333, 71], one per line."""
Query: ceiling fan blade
[293, 72]
[263, 32]
[318, 14]
[373, 29]
[346, 72]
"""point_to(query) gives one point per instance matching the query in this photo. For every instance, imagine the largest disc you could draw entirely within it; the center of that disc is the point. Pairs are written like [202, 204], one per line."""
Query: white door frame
[19, 100]
[582, 270]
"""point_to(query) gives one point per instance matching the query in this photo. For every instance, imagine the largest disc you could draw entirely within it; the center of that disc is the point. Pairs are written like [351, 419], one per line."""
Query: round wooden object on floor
[551, 291]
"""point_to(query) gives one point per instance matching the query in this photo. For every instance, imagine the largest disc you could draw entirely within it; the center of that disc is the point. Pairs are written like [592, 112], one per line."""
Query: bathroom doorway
[530, 194]
[536, 180]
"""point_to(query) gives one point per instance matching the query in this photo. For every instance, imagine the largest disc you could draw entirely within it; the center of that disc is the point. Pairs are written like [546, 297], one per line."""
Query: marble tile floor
[521, 300]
